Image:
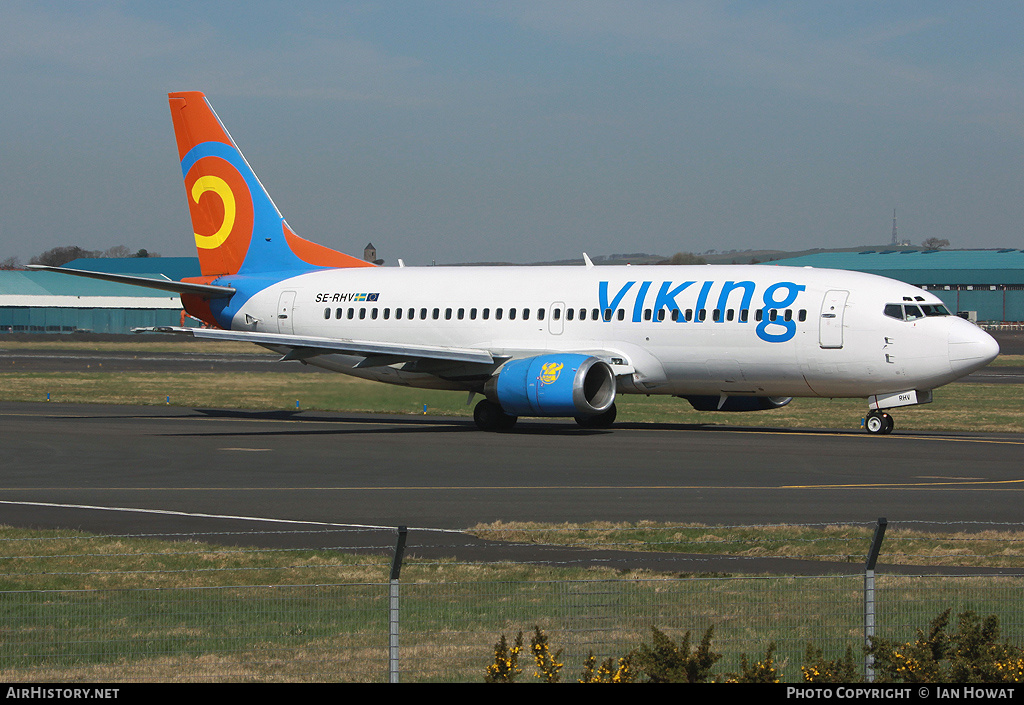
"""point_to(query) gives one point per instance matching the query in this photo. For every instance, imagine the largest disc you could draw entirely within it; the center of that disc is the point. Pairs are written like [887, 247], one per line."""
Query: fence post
[869, 596]
[396, 568]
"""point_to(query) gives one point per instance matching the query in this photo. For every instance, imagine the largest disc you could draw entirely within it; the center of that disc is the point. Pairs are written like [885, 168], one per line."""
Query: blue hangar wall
[989, 282]
[46, 302]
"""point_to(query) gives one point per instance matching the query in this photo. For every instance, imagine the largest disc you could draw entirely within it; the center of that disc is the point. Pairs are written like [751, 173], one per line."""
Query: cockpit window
[935, 310]
[894, 311]
[911, 312]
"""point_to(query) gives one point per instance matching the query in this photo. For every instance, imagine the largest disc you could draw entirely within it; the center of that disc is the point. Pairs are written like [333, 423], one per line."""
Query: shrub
[818, 669]
[610, 670]
[975, 657]
[505, 667]
[665, 662]
[763, 671]
[968, 655]
[548, 667]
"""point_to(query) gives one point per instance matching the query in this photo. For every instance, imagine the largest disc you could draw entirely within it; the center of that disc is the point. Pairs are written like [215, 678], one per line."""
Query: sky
[522, 130]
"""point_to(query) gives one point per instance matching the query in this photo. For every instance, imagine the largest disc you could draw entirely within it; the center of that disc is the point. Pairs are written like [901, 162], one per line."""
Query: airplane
[552, 341]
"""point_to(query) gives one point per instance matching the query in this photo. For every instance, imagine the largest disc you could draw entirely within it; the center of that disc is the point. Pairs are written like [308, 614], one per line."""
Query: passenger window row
[582, 314]
[434, 314]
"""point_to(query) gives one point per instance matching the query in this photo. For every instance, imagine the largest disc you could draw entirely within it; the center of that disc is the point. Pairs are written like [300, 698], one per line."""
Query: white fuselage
[680, 330]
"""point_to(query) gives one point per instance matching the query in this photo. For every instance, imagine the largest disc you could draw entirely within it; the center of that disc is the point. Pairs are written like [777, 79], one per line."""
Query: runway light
[424, 409]
[168, 400]
[296, 404]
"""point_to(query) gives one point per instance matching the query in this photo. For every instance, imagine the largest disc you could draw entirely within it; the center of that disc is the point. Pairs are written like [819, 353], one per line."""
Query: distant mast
[894, 240]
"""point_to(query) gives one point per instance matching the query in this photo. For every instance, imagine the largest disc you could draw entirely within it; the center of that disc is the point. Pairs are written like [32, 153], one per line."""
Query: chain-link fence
[131, 609]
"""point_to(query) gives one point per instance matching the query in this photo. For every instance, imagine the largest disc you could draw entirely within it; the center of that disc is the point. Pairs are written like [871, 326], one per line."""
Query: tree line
[59, 256]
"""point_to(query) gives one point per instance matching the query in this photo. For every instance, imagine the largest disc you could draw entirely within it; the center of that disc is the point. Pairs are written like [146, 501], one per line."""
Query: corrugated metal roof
[925, 267]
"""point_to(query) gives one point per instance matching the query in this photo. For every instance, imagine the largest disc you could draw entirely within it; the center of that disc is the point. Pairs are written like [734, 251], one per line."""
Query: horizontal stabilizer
[207, 291]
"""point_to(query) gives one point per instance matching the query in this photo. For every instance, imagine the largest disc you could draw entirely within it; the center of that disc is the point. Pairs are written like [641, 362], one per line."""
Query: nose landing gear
[878, 422]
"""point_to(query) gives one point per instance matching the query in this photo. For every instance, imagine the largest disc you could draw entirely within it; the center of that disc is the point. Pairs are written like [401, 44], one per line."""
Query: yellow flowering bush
[817, 669]
[505, 667]
[548, 666]
[609, 671]
[971, 654]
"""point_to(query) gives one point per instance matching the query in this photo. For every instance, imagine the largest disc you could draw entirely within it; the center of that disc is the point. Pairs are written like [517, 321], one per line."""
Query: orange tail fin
[237, 227]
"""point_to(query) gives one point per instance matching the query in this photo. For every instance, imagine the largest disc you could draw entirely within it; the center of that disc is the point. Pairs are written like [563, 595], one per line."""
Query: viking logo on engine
[549, 372]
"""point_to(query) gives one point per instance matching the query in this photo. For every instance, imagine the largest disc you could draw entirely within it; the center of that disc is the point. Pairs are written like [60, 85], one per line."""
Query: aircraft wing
[376, 353]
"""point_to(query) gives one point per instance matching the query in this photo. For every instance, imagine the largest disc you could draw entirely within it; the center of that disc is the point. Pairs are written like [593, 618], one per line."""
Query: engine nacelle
[713, 403]
[559, 384]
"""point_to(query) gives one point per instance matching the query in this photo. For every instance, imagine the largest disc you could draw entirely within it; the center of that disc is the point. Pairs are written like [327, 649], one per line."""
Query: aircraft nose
[970, 348]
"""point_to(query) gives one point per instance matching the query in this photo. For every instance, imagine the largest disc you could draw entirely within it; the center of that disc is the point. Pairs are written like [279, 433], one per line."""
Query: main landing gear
[878, 422]
[603, 420]
[489, 416]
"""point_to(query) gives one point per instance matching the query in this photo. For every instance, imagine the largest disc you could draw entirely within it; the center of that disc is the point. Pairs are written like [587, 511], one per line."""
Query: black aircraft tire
[604, 420]
[489, 416]
[878, 423]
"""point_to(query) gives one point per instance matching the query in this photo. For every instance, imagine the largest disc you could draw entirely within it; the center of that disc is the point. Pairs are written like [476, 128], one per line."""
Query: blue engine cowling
[560, 384]
[713, 403]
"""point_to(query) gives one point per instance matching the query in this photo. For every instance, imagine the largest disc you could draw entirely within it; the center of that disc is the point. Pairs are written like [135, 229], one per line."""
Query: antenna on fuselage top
[586, 260]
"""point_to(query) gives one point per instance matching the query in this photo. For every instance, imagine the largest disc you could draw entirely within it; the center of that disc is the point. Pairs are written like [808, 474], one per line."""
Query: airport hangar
[47, 302]
[984, 285]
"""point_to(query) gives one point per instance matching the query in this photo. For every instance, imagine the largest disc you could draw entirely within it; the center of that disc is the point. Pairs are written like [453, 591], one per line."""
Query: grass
[1008, 361]
[840, 543]
[99, 609]
[64, 560]
[987, 408]
[141, 344]
[957, 407]
[79, 607]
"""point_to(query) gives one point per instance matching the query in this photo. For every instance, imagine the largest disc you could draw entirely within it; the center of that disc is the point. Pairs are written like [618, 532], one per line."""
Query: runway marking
[962, 484]
[882, 485]
[200, 515]
[940, 477]
[250, 450]
[780, 432]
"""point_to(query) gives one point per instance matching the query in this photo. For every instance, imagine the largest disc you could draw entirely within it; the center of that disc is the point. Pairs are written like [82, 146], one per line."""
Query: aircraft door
[285, 312]
[556, 314]
[830, 324]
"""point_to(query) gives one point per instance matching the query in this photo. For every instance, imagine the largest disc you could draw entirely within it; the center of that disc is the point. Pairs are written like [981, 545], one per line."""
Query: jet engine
[713, 403]
[559, 384]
